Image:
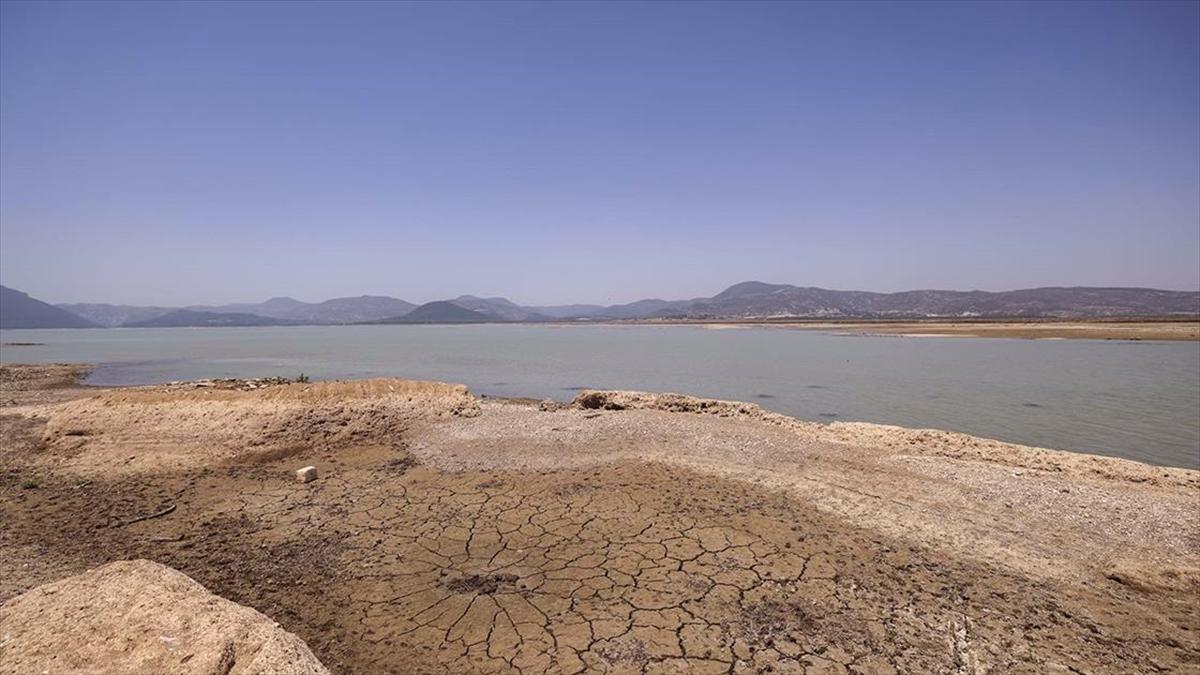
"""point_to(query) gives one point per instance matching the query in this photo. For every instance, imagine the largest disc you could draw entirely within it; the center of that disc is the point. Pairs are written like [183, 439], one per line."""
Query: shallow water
[1139, 400]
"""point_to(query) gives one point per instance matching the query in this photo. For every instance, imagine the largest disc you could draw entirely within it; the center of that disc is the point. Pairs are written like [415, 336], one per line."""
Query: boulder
[137, 616]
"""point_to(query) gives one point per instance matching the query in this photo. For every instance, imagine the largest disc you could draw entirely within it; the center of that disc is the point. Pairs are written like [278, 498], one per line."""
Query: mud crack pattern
[629, 568]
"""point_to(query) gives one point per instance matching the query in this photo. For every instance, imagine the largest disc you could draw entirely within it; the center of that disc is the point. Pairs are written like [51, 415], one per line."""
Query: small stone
[306, 475]
[549, 405]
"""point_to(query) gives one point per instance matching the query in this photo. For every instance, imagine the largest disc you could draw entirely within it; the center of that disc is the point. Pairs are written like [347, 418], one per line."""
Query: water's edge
[1126, 399]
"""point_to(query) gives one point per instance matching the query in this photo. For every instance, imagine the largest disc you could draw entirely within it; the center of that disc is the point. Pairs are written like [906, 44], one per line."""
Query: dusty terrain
[624, 533]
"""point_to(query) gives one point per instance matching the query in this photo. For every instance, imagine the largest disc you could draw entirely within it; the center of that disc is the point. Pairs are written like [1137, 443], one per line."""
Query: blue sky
[571, 152]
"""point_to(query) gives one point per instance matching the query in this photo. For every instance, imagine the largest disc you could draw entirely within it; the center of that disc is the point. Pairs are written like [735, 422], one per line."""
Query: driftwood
[139, 519]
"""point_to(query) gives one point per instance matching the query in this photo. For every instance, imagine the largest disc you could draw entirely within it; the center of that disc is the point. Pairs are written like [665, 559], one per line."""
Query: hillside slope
[441, 311]
[188, 318]
[756, 299]
[18, 310]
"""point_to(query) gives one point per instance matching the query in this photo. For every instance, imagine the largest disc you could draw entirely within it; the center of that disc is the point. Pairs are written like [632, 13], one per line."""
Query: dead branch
[139, 519]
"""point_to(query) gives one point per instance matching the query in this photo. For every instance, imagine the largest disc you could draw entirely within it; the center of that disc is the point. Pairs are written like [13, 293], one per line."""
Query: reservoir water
[1138, 400]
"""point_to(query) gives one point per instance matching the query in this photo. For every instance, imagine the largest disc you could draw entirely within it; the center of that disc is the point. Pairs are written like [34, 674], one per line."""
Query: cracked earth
[496, 537]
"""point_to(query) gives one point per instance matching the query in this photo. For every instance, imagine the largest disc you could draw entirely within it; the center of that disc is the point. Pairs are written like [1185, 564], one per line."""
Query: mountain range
[747, 300]
[284, 310]
[183, 318]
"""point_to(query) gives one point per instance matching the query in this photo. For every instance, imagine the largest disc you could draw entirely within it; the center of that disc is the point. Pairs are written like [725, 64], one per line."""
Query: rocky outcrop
[138, 616]
[641, 400]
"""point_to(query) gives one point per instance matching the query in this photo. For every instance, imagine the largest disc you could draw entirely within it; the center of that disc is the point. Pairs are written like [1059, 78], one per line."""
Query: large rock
[138, 616]
[642, 400]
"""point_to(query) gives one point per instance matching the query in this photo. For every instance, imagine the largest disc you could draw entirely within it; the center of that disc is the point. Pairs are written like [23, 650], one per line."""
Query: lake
[1139, 400]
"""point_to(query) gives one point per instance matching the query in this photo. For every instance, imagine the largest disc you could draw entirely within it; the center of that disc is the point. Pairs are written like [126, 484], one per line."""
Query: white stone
[307, 474]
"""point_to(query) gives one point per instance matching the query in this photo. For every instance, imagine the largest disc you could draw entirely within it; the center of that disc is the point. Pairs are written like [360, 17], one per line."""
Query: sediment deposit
[624, 532]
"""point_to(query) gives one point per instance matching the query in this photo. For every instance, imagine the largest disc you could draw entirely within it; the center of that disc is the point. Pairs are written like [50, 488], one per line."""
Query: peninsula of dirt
[620, 532]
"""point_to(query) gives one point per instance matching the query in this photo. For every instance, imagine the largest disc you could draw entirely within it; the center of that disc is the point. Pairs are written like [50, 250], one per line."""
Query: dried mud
[569, 543]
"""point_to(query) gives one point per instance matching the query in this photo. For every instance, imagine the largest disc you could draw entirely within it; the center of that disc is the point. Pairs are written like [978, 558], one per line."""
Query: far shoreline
[1175, 329]
[1170, 329]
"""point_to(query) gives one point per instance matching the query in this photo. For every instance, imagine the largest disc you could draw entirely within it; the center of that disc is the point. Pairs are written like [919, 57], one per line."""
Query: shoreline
[73, 378]
[1186, 330]
[618, 531]
[50, 384]
[1168, 329]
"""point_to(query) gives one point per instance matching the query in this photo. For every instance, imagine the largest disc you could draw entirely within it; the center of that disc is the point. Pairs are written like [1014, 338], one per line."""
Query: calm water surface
[1139, 400]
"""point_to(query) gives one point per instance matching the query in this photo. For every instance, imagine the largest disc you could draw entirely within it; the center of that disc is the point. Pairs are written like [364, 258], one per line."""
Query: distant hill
[641, 309]
[111, 316]
[441, 311]
[500, 308]
[349, 310]
[18, 310]
[760, 300]
[277, 308]
[566, 311]
[189, 318]
[288, 310]
[338, 310]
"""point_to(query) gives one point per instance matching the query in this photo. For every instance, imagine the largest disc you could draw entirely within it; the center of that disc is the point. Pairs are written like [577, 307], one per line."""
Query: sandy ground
[627, 533]
[49, 383]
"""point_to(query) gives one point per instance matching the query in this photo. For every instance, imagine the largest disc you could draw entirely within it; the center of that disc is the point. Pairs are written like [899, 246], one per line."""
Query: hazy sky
[556, 152]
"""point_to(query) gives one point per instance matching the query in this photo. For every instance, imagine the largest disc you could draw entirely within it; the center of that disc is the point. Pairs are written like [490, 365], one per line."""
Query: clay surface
[627, 532]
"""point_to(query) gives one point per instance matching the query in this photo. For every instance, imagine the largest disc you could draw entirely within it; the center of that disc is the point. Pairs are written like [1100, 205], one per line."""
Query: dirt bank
[627, 533]
[154, 429]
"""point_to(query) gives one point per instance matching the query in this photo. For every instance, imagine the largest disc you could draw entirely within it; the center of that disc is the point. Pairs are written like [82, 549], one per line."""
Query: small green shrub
[302, 379]
[29, 483]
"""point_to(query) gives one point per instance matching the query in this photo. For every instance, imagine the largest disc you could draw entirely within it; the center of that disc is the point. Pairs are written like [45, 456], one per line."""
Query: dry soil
[624, 533]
